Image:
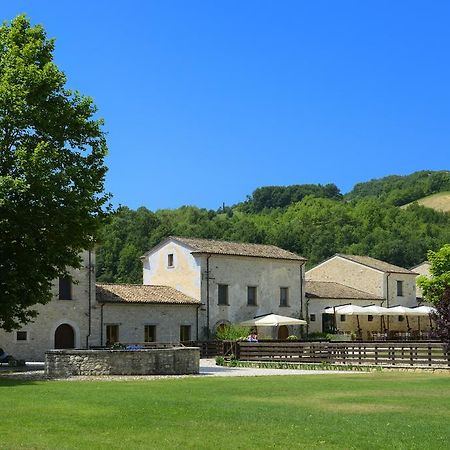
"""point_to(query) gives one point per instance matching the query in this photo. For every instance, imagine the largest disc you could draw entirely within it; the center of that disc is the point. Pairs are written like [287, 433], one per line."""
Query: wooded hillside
[312, 220]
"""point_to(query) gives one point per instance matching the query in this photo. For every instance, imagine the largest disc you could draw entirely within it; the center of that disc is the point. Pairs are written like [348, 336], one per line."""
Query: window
[223, 294]
[21, 336]
[170, 260]
[400, 288]
[370, 318]
[284, 296]
[401, 318]
[342, 317]
[251, 295]
[65, 288]
[112, 334]
[149, 333]
[312, 317]
[185, 333]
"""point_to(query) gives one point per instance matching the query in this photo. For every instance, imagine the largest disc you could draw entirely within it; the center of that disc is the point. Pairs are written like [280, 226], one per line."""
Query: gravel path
[208, 368]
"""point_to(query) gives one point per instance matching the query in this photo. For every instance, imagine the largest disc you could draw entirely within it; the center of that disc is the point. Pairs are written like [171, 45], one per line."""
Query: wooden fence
[208, 349]
[416, 354]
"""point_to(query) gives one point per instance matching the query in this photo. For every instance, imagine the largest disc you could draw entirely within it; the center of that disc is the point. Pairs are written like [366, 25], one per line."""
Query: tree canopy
[52, 172]
[314, 227]
[435, 286]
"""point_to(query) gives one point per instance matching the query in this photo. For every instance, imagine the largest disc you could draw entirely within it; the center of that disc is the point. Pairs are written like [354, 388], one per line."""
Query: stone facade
[75, 314]
[367, 279]
[132, 319]
[199, 275]
[422, 269]
[393, 288]
[158, 361]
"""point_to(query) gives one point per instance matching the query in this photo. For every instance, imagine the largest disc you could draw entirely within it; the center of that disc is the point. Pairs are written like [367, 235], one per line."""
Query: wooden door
[283, 332]
[64, 336]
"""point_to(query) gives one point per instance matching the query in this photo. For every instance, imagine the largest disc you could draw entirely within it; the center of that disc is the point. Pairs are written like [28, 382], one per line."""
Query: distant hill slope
[438, 202]
[400, 190]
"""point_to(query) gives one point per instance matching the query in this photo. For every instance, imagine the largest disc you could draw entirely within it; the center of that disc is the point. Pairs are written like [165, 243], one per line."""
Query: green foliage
[314, 227]
[51, 172]
[283, 196]
[220, 360]
[399, 190]
[232, 333]
[434, 287]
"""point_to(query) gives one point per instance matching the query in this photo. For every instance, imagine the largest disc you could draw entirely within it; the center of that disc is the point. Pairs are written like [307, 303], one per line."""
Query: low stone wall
[155, 361]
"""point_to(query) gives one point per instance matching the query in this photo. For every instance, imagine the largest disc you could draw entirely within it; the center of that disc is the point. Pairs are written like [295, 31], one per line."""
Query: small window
[223, 294]
[312, 317]
[342, 317]
[149, 333]
[112, 334]
[284, 296]
[400, 288]
[251, 295]
[65, 288]
[401, 318]
[21, 336]
[370, 318]
[170, 260]
[185, 333]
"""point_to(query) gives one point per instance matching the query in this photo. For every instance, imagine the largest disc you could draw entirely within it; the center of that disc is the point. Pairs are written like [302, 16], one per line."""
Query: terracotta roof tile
[237, 248]
[329, 289]
[139, 293]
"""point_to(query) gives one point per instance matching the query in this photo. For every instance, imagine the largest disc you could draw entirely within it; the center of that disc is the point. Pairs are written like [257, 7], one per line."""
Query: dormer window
[170, 260]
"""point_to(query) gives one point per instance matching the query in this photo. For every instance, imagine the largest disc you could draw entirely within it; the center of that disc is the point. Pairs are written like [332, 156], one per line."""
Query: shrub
[292, 337]
[232, 333]
[220, 361]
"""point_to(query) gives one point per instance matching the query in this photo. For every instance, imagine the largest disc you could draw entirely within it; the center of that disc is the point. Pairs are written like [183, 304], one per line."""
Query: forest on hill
[315, 221]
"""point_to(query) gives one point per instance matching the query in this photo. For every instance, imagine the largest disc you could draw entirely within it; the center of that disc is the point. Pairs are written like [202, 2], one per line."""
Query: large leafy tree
[52, 171]
[438, 283]
[436, 289]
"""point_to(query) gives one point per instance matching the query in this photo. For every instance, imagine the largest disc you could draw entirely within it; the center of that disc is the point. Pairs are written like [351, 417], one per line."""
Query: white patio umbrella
[272, 320]
[402, 311]
[348, 310]
[423, 310]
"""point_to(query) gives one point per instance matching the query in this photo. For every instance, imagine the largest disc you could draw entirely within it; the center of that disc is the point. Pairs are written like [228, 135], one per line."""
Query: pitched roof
[140, 293]
[329, 289]
[376, 264]
[237, 248]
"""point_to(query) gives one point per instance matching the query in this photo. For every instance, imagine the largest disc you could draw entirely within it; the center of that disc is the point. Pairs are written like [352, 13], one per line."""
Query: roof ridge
[354, 258]
[228, 242]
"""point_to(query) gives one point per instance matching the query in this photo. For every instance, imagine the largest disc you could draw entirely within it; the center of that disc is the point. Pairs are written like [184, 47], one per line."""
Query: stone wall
[40, 334]
[163, 361]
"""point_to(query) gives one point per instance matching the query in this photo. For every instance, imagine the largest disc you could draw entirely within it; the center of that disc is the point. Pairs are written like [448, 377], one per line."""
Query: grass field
[439, 201]
[368, 411]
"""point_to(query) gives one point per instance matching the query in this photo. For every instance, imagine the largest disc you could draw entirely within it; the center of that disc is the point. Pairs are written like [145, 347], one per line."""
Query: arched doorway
[64, 336]
[283, 332]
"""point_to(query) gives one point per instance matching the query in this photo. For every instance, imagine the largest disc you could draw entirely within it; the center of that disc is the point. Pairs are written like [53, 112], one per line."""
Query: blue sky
[205, 100]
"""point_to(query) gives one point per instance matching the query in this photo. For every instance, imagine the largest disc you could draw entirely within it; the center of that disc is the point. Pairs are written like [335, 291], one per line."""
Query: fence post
[238, 350]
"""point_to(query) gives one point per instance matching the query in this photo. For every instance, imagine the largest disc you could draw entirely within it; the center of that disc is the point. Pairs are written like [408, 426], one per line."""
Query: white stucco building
[233, 281]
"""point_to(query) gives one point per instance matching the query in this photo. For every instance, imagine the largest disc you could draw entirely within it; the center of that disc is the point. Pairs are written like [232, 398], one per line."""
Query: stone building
[359, 280]
[323, 294]
[138, 314]
[421, 269]
[233, 281]
[69, 320]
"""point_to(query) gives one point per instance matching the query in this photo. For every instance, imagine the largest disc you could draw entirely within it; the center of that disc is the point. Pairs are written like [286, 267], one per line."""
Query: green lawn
[377, 410]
